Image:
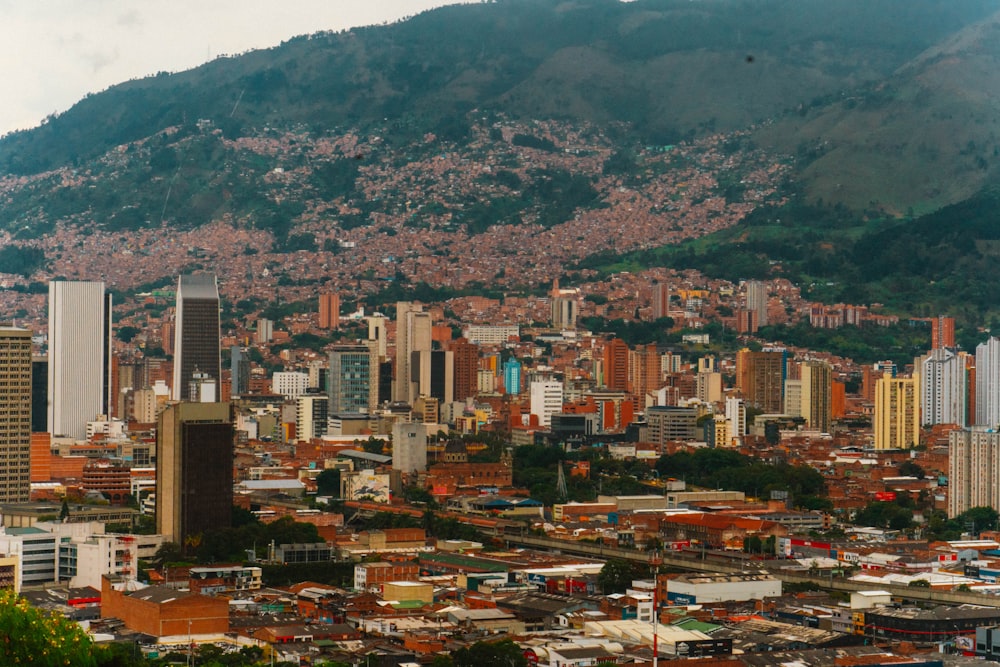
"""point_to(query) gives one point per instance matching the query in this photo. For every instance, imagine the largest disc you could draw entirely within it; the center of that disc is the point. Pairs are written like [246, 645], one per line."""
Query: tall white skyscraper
[79, 356]
[988, 383]
[942, 387]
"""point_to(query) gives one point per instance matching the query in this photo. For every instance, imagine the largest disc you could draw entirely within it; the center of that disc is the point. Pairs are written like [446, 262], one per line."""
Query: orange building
[329, 311]
[616, 365]
[41, 457]
[159, 611]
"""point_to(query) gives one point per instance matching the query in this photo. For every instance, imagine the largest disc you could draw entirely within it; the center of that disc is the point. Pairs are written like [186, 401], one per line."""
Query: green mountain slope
[673, 68]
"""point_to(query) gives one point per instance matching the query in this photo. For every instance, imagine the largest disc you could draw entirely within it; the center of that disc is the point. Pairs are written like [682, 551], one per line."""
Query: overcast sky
[53, 52]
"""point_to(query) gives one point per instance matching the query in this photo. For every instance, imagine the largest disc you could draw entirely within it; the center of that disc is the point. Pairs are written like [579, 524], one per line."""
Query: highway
[677, 560]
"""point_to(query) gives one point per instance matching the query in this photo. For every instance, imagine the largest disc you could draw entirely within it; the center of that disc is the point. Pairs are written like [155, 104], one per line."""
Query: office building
[79, 382]
[40, 394]
[15, 415]
[433, 375]
[672, 424]
[409, 447]
[546, 400]
[290, 384]
[897, 413]
[413, 334]
[194, 470]
[311, 413]
[196, 333]
[942, 375]
[564, 312]
[351, 380]
[239, 364]
[265, 331]
[487, 334]
[512, 376]
[973, 470]
[377, 335]
[329, 311]
[756, 301]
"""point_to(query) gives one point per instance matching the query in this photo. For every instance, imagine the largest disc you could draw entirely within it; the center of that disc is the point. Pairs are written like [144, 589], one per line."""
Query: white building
[79, 355]
[942, 387]
[988, 383]
[704, 588]
[484, 334]
[736, 415]
[546, 400]
[290, 384]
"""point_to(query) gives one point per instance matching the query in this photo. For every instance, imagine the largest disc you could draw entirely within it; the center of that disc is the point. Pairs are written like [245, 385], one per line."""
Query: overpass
[683, 561]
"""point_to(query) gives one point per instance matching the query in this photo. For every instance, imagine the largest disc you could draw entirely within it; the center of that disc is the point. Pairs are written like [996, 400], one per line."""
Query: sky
[54, 52]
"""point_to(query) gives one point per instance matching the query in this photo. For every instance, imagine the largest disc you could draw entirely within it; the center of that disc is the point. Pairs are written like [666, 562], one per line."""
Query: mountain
[493, 145]
[672, 68]
[926, 136]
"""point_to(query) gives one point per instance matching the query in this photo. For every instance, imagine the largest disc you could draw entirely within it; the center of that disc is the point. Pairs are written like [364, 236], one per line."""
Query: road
[676, 560]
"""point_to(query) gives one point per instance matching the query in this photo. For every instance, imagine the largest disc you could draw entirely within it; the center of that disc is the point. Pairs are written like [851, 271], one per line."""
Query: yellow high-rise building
[897, 412]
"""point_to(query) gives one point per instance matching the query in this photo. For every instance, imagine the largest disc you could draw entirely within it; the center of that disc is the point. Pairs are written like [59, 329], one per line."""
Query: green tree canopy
[31, 637]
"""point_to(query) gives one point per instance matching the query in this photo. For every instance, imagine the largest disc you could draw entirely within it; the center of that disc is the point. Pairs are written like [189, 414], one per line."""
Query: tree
[505, 653]
[328, 482]
[919, 583]
[911, 469]
[30, 637]
[169, 552]
[618, 574]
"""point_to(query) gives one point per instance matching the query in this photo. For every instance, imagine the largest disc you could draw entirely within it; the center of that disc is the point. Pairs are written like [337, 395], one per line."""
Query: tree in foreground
[30, 637]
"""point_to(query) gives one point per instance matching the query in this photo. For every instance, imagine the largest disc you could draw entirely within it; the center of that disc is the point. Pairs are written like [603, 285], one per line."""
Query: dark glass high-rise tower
[196, 332]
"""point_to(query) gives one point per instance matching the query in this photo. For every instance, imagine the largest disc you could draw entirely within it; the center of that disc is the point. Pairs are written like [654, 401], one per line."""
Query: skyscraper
[756, 300]
[817, 395]
[79, 382]
[15, 415]
[240, 370]
[973, 470]
[897, 413]
[196, 335]
[616, 366]
[760, 377]
[194, 470]
[352, 372]
[329, 311]
[661, 300]
[988, 383]
[942, 387]
[413, 334]
[512, 376]
[942, 332]
[466, 368]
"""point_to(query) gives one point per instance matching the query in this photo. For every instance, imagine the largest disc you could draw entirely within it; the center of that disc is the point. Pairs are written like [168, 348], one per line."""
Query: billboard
[885, 496]
[365, 485]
